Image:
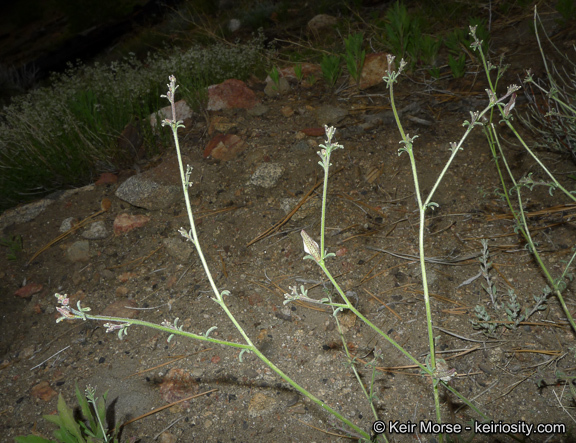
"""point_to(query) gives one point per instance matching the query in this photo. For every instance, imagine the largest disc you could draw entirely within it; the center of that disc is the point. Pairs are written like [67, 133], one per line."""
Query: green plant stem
[249, 347]
[323, 219]
[525, 146]
[351, 307]
[169, 330]
[367, 394]
[219, 299]
[523, 227]
[422, 210]
[513, 129]
[92, 400]
[422, 206]
[424, 368]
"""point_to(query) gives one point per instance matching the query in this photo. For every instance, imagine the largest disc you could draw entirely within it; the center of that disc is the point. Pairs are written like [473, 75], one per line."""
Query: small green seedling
[275, 76]
[88, 428]
[354, 56]
[298, 72]
[331, 68]
[458, 66]
[14, 245]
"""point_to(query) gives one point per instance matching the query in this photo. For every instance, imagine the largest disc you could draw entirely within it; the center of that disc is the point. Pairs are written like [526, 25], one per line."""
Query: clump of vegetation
[14, 245]
[90, 427]
[15, 81]
[66, 133]
[354, 56]
[404, 34]
[552, 110]
[331, 68]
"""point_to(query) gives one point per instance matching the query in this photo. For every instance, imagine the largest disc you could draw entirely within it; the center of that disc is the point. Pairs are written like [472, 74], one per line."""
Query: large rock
[158, 188]
[143, 192]
[321, 23]
[375, 67]
[183, 112]
[231, 94]
[224, 147]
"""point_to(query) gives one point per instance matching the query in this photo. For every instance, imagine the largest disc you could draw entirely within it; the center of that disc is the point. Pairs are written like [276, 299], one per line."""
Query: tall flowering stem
[121, 325]
[324, 162]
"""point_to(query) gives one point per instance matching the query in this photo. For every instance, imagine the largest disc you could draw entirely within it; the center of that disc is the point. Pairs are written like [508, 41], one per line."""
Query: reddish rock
[224, 147]
[126, 222]
[29, 290]
[231, 94]
[375, 67]
[314, 132]
[125, 276]
[219, 123]
[107, 178]
[43, 391]
[178, 384]
[287, 111]
[254, 299]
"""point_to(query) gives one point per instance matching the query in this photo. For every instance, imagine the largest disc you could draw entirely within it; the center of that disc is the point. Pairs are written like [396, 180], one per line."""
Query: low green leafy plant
[298, 72]
[311, 79]
[434, 72]
[457, 65]
[484, 321]
[428, 49]
[14, 245]
[331, 68]
[89, 428]
[275, 76]
[195, 93]
[354, 56]
[402, 31]
[458, 40]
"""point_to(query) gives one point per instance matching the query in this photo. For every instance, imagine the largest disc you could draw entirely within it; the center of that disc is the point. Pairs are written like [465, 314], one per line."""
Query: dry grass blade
[139, 260]
[366, 205]
[450, 261]
[285, 219]
[537, 351]
[105, 205]
[542, 213]
[174, 360]
[165, 407]
[289, 216]
[384, 304]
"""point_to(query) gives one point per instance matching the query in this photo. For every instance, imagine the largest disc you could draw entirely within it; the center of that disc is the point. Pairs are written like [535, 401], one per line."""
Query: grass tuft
[64, 134]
